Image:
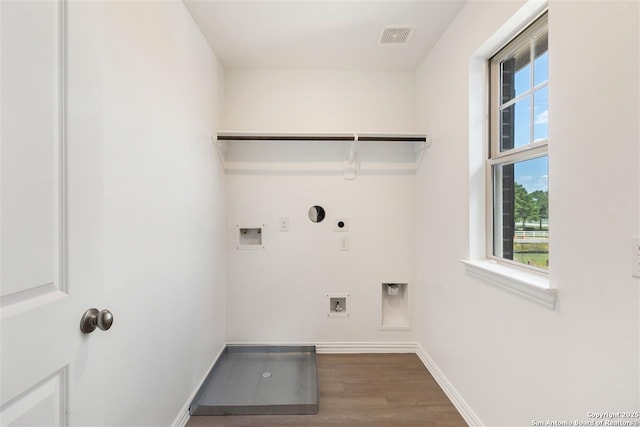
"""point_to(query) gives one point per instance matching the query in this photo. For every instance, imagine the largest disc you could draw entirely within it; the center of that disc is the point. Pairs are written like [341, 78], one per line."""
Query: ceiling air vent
[396, 34]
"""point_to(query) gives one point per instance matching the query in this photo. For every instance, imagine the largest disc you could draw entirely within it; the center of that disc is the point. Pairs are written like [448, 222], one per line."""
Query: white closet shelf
[346, 152]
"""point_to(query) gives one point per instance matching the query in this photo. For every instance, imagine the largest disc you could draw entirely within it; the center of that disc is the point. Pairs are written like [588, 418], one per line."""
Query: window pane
[515, 126]
[541, 64]
[521, 212]
[541, 114]
[515, 74]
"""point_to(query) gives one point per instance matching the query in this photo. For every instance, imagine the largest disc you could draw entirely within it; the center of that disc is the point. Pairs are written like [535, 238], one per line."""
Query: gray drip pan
[260, 380]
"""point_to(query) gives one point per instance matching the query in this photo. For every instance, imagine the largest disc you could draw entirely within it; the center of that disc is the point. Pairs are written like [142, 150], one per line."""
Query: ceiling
[320, 34]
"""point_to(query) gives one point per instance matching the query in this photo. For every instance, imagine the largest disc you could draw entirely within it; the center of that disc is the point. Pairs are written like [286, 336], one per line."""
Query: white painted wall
[512, 360]
[279, 294]
[319, 101]
[164, 209]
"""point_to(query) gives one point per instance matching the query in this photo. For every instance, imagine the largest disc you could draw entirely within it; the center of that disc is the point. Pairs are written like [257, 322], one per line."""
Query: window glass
[518, 159]
[541, 64]
[516, 74]
[521, 212]
[514, 125]
[540, 114]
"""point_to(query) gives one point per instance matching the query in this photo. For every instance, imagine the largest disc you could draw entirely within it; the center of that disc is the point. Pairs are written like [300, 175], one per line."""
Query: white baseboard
[346, 347]
[354, 348]
[183, 416]
[365, 347]
[461, 405]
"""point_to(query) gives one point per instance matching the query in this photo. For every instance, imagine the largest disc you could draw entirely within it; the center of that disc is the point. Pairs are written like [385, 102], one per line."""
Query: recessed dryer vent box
[250, 237]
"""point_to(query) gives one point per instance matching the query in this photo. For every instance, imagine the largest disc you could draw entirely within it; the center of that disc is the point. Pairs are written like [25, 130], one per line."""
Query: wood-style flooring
[360, 390]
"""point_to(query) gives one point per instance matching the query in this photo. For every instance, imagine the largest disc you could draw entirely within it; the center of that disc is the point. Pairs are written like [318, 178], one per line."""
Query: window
[518, 161]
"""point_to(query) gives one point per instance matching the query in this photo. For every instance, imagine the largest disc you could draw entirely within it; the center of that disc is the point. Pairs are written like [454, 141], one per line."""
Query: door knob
[92, 319]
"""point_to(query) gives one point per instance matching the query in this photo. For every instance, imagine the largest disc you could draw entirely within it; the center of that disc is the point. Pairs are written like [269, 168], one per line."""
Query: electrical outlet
[344, 243]
[284, 224]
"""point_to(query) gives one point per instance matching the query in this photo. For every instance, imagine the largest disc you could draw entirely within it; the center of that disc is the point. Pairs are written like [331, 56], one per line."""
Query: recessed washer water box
[250, 236]
[339, 305]
[260, 380]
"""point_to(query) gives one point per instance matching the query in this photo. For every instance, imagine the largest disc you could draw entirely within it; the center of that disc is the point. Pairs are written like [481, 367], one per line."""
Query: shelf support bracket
[350, 162]
[421, 150]
[221, 148]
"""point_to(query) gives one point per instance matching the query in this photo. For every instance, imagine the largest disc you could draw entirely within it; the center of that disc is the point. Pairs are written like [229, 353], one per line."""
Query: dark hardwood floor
[364, 390]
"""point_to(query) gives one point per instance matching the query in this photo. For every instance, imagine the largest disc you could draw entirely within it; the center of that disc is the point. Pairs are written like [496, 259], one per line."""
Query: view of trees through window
[523, 195]
[531, 237]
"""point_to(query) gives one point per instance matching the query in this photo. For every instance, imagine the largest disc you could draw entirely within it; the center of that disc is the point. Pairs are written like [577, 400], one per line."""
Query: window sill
[528, 285]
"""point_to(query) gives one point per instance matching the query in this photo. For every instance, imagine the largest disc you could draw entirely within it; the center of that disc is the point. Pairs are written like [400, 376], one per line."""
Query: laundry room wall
[279, 293]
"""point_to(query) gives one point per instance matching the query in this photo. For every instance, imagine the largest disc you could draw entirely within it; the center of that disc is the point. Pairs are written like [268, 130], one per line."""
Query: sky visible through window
[532, 174]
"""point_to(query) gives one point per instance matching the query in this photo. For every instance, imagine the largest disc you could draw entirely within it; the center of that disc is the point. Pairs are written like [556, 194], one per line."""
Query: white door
[51, 200]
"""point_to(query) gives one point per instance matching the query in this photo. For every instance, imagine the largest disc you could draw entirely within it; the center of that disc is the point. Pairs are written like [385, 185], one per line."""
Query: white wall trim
[346, 347]
[365, 347]
[528, 285]
[183, 415]
[461, 405]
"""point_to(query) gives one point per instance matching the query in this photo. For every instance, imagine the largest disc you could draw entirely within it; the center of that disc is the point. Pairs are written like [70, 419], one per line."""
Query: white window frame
[530, 151]
[513, 277]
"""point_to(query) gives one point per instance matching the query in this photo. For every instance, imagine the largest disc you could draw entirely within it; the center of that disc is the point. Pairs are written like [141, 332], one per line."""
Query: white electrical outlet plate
[284, 224]
[635, 257]
[341, 224]
[344, 243]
